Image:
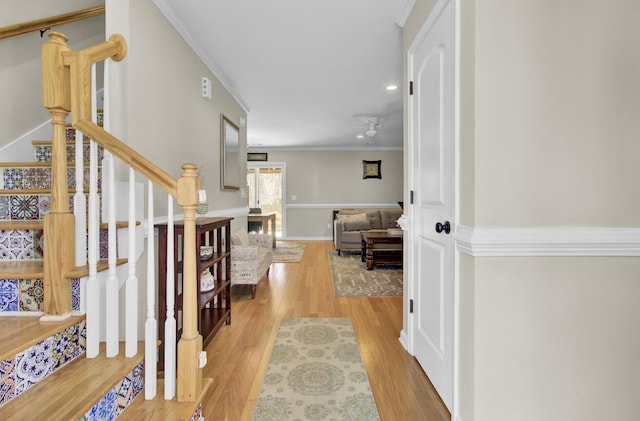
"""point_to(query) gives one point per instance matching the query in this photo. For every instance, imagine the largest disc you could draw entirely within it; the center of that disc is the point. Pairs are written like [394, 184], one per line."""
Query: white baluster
[93, 287]
[113, 304]
[150, 326]
[170, 323]
[131, 302]
[80, 212]
[94, 300]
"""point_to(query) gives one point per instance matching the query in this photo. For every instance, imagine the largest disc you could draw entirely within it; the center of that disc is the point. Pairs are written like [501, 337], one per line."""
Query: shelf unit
[214, 307]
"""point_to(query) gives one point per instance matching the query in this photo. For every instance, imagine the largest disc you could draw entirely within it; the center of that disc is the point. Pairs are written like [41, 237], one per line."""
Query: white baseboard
[309, 238]
[404, 340]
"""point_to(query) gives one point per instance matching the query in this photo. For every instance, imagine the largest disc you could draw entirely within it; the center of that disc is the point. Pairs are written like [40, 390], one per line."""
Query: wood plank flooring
[238, 354]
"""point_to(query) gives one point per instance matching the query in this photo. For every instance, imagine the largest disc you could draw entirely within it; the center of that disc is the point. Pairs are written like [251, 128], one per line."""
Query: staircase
[45, 332]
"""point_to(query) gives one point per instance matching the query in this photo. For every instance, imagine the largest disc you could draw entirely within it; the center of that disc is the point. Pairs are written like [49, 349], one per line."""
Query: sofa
[349, 223]
[251, 256]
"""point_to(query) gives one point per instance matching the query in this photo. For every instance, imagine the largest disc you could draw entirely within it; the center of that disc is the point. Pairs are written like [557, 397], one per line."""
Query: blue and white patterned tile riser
[36, 178]
[197, 415]
[21, 295]
[25, 369]
[20, 244]
[75, 294]
[9, 293]
[29, 207]
[118, 398]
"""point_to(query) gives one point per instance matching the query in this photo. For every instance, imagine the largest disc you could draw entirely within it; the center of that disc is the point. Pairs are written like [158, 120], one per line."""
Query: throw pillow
[240, 238]
[356, 222]
[390, 217]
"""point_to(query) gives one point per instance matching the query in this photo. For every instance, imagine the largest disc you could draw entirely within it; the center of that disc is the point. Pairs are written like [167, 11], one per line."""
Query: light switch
[206, 88]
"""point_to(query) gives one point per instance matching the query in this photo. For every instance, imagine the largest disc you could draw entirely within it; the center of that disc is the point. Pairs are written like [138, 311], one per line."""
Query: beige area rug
[352, 279]
[288, 252]
[315, 373]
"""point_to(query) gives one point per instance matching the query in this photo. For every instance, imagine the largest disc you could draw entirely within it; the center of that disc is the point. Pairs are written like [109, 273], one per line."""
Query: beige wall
[21, 66]
[557, 106]
[327, 180]
[549, 101]
[164, 116]
[158, 109]
[557, 339]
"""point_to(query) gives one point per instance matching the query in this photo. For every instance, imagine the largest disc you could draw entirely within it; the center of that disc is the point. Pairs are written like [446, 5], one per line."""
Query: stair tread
[39, 164]
[82, 271]
[35, 224]
[36, 191]
[50, 142]
[161, 409]
[68, 393]
[21, 269]
[19, 333]
[32, 224]
[34, 268]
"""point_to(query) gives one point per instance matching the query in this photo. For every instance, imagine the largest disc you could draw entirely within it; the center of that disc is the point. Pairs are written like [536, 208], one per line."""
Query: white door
[431, 154]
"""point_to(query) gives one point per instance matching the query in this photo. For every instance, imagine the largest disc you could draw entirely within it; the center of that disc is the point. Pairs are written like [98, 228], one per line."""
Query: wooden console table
[380, 248]
[268, 223]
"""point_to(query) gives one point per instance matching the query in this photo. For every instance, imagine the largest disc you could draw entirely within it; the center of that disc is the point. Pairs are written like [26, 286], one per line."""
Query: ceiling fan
[372, 124]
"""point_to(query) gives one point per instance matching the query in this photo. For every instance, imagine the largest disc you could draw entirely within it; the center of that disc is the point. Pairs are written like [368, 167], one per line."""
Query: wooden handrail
[80, 74]
[130, 156]
[39, 24]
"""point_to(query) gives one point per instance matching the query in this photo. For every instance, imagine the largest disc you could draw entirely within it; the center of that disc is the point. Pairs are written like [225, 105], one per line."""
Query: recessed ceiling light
[360, 136]
[392, 87]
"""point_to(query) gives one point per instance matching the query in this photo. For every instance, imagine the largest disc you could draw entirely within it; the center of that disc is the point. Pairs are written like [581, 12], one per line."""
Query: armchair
[251, 256]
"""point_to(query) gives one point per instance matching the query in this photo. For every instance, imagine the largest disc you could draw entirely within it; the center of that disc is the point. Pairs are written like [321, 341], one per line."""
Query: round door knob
[446, 227]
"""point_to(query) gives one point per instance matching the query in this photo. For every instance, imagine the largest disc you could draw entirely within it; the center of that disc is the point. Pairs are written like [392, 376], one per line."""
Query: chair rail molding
[342, 205]
[547, 241]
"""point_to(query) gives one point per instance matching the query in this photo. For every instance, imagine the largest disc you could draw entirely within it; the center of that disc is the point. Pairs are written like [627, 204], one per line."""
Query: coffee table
[378, 248]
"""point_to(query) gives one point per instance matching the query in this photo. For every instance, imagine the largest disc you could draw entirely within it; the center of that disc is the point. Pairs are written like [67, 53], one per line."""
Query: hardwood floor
[238, 354]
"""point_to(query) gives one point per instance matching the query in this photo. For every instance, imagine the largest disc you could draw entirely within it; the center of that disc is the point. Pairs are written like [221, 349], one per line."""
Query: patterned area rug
[315, 373]
[352, 279]
[288, 252]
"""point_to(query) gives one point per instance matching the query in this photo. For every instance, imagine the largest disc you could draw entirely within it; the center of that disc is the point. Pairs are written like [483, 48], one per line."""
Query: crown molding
[181, 28]
[404, 11]
[547, 241]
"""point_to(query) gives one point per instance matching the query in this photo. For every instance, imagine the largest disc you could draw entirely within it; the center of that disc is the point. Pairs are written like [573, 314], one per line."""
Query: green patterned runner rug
[315, 373]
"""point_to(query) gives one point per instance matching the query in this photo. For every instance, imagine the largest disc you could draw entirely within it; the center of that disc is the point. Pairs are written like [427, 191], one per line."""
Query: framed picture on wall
[256, 156]
[371, 169]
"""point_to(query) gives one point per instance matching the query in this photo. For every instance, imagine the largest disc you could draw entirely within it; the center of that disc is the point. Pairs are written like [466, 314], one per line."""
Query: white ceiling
[308, 72]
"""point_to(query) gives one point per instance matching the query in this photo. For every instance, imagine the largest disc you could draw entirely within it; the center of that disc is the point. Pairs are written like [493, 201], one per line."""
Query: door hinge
[411, 197]
[411, 88]
[411, 306]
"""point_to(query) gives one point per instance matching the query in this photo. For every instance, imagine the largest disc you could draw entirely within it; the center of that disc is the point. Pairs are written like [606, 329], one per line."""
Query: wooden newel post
[59, 225]
[189, 381]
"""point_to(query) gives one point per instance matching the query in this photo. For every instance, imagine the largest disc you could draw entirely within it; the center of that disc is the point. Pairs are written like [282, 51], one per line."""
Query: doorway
[266, 190]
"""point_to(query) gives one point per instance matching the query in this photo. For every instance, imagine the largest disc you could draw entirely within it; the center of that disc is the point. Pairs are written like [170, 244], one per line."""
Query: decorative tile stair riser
[118, 398]
[25, 369]
[315, 373]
